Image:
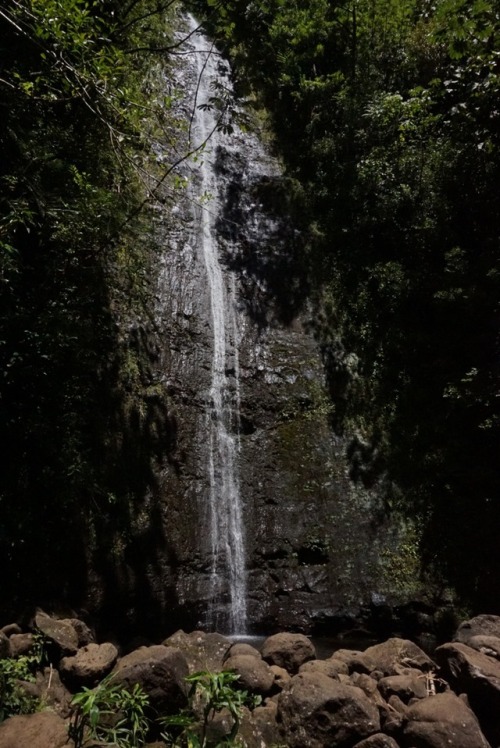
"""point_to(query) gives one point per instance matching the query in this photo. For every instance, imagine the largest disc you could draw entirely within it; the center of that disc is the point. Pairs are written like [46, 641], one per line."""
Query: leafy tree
[386, 113]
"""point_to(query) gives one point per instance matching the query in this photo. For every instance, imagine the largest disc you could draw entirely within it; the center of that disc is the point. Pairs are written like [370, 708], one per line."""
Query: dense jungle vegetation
[82, 99]
[386, 115]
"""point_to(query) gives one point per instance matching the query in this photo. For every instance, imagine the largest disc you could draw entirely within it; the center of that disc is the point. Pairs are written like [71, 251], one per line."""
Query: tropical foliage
[386, 114]
[80, 103]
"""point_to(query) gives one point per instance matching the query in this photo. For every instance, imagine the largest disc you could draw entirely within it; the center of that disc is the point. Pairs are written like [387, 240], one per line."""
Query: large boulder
[442, 721]
[61, 633]
[242, 648]
[21, 644]
[202, 651]
[11, 628]
[259, 728]
[411, 685]
[325, 667]
[83, 632]
[255, 675]
[394, 655]
[332, 666]
[483, 625]
[90, 665]
[474, 673]
[161, 673]
[488, 645]
[289, 651]
[317, 711]
[40, 730]
[369, 685]
[356, 662]
[48, 690]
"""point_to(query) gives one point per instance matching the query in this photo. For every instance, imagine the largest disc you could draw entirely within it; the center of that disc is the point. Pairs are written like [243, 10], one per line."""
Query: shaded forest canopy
[385, 113]
[83, 421]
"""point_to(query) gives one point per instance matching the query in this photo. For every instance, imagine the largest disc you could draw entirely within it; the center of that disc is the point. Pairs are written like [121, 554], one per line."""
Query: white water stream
[228, 575]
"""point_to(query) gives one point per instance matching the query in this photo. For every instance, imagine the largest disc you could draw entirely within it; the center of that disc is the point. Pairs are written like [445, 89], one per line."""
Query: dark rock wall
[317, 543]
[320, 546]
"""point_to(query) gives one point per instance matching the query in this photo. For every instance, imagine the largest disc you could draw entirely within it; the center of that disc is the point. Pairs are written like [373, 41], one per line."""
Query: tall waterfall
[228, 576]
[259, 523]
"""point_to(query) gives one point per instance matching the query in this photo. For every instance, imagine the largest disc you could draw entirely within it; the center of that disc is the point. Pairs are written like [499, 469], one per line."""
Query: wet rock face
[312, 534]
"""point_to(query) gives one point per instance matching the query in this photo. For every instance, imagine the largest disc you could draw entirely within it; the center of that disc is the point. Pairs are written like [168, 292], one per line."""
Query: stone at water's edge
[202, 651]
[289, 651]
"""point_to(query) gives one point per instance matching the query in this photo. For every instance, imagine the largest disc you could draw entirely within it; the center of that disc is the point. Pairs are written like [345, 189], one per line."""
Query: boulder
[317, 711]
[397, 705]
[40, 730]
[483, 625]
[392, 717]
[488, 645]
[241, 648]
[4, 646]
[11, 628]
[442, 721]
[85, 635]
[289, 651]
[369, 685]
[255, 675]
[21, 644]
[202, 651]
[474, 673]
[378, 741]
[90, 665]
[356, 662]
[60, 632]
[394, 655]
[409, 686]
[161, 673]
[319, 666]
[281, 676]
[331, 667]
[259, 727]
[49, 691]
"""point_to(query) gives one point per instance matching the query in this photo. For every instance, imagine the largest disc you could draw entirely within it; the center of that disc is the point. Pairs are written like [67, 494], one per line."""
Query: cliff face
[312, 536]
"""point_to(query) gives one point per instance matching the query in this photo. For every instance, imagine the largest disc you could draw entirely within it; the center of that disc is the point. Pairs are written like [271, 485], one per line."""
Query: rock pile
[392, 695]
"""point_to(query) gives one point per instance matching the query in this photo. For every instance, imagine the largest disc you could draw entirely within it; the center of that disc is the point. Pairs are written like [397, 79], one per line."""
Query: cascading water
[233, 304]
[228, 574]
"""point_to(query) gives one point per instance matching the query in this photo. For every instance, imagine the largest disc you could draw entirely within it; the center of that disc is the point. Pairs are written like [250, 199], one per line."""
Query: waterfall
[227, 608]
[263, 525]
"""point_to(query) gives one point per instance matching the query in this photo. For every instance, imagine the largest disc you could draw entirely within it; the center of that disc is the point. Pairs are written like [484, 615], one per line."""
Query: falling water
[228, 577]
